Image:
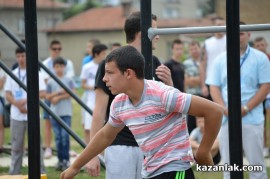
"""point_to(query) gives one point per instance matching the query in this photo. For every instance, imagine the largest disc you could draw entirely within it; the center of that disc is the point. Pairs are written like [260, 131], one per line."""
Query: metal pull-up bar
[152, 32]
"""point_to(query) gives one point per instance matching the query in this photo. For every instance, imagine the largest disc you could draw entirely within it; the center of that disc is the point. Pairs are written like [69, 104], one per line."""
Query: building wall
[251, 12]
[13, 20]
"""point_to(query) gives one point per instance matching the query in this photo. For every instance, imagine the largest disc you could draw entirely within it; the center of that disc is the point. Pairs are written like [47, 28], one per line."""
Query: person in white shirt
[213, 46]
[88, 76]
[55, 50]
[17, 97]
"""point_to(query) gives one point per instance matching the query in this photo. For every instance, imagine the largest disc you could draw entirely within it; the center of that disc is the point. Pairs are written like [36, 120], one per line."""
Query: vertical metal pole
[234, 89]
[146, 44]
[32, 68]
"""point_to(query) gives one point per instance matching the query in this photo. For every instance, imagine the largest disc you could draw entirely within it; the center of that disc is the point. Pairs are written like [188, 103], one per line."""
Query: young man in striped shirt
[156, 115]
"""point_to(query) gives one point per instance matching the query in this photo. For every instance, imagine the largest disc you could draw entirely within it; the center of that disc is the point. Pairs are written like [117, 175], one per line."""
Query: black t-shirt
[177, 72]
[124, 137]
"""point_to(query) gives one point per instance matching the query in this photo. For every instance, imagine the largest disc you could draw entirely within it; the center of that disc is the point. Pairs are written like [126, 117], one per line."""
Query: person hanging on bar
[255, 84]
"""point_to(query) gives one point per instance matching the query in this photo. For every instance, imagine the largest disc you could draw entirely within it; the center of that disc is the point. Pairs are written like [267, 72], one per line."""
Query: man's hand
[164, 74]
[69, 173]
[55, 100]
[205, 91]
[20, 104]
[204, 158]
[93, 167]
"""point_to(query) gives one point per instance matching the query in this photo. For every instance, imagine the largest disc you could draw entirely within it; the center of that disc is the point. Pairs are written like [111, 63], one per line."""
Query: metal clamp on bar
[152, 32]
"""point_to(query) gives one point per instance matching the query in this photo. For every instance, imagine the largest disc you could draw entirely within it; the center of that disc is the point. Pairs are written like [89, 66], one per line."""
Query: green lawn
[77, 127]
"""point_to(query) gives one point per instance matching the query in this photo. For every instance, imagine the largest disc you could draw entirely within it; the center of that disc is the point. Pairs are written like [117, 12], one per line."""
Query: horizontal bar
[152, 32]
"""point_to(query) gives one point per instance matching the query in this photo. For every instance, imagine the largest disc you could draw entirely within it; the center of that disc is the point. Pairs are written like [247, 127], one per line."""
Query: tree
[77, 7]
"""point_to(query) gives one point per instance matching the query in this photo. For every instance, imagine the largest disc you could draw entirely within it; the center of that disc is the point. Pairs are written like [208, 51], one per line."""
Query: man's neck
[219, 36]
[135, 91]
[22, 67]
[136, 44]
[243, 49]
[175, 58]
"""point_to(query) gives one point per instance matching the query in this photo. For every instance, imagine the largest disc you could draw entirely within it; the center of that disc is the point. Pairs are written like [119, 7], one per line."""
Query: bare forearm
[216, 95]
[259, 96]
[98, 143]
[192, 81]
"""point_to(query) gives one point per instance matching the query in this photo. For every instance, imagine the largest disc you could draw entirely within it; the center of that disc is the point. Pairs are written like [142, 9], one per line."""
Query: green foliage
[77, 8]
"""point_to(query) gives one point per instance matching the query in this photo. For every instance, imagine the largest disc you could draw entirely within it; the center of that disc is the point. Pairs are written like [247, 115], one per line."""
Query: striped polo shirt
[158, 123]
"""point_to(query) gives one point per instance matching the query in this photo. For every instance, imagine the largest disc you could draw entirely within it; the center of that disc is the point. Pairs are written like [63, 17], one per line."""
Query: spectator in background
[55, 51]
[175, 65]
[261, 44]
[88, 76]
[192, 76]
[196, 138]
[17, 97]
[115, 46]
[89, 46]
[2, 106]
[88, 58]
[61, 105]
[255, 84]
[213, 46]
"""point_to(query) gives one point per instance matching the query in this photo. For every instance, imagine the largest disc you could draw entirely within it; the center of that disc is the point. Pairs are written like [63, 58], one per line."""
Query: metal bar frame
[33, 117]
[152, 32]
[47, 109]
[146, 44]
[21, 45]
[234, 88]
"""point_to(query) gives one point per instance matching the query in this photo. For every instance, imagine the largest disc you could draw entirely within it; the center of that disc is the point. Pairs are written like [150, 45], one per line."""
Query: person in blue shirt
[90, 44]
[255, 84]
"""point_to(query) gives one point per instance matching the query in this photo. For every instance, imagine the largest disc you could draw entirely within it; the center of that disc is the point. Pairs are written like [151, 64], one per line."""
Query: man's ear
[130, 73]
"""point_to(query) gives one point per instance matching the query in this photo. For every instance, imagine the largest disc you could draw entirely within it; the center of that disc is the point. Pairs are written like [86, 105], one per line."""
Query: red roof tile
[111, 18]
[40, 4]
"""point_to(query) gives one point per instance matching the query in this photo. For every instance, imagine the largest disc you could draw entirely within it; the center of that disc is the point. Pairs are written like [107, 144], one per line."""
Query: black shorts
[187, 174]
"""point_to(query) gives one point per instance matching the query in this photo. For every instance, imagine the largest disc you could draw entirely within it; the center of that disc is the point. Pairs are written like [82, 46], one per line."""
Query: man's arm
[192, 81]
[98, 143]
[257, 98]
[202, 70]
[99, 115]
[217, 97]
[85, 86]
[212, 114]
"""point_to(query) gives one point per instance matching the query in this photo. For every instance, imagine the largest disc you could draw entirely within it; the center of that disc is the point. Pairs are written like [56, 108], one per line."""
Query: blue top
[87, 59]
[254, 70]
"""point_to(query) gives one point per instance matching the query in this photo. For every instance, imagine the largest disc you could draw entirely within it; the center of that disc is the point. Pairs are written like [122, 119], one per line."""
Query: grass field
[77, 127]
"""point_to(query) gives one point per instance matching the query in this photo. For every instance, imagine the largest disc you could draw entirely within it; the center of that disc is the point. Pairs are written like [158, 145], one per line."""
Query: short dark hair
[176, 41]
[59, 61]
[117, 44]
[128, 57]
[133, 25]
[19, 50]
[94, 41]
[97, 49]
[259, 39]
[55, 42]
[194, 42]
